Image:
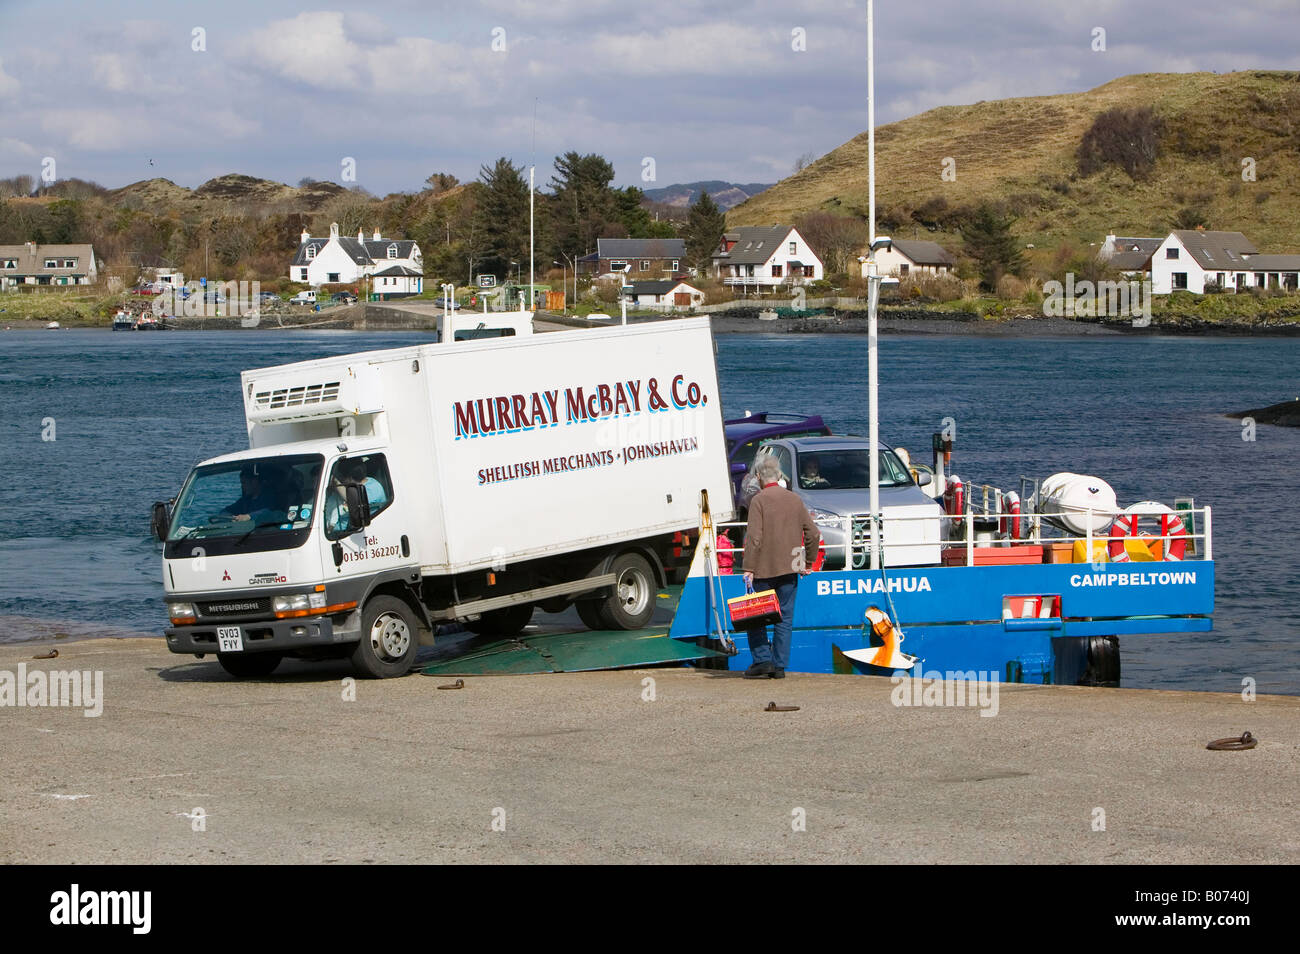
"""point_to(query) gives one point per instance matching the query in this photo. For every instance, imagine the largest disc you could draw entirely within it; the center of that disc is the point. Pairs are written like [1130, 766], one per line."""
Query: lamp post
[574, 262]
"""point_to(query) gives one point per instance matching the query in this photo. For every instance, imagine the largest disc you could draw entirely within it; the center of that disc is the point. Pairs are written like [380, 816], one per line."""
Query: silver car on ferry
[832, 475]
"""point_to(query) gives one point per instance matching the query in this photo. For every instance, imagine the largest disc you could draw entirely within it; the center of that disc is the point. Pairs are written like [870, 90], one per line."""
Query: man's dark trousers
[778, 651]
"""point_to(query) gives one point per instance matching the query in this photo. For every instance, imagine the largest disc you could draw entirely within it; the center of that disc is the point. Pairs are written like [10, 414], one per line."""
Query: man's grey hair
[768, 470]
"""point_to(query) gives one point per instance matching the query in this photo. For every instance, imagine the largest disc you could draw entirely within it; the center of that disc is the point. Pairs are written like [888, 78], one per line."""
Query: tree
[704, 228]
[837, 239]
[989, 241]
[582, 204]
[441, 182]
[65, 221]
[502, 217]
[631, 213]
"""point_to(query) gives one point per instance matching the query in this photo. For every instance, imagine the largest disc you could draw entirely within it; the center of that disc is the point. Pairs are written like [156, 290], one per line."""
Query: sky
[669, 92]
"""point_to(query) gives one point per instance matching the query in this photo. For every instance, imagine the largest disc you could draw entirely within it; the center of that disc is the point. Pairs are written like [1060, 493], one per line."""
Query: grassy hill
[1021, 154]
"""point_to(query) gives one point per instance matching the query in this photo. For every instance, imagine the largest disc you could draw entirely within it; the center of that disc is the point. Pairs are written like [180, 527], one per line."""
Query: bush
[1128, 138]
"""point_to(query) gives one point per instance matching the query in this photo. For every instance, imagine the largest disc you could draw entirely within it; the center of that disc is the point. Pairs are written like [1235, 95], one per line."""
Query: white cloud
[8, 85]
[112, 72]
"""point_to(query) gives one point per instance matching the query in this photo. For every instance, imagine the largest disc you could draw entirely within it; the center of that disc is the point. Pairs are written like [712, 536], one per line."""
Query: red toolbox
[754, 609]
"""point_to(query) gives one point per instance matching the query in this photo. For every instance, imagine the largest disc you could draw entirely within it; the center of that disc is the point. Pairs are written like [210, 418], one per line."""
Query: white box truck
[386, 492]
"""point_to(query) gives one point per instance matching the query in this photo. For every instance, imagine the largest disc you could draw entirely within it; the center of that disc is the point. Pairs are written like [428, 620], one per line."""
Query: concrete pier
[185, 764]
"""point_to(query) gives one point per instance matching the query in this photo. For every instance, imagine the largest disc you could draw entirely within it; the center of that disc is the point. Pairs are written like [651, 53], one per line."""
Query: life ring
[1173, 535]
[955, 496]
[1011, 524]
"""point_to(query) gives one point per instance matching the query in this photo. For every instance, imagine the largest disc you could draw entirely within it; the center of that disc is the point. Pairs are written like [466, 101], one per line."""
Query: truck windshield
[849, 469]
[247, 497]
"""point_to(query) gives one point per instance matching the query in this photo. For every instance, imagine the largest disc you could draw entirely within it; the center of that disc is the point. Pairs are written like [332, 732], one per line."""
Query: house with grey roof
[343, 260]
[765, 257]
[651, 259]
[908, 258]
[35, 264]
[670, 295]
[1195, 259]
[1129, 254]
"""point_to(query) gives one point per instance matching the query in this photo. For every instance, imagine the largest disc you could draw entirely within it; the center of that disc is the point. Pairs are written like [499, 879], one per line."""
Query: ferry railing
[1199, 535]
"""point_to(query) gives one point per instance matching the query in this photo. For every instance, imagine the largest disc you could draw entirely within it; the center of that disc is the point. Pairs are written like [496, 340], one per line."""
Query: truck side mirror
[161, 519]
[358, 507]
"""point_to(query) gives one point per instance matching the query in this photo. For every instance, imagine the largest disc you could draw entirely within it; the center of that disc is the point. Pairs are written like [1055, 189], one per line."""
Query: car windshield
[849, 469]
[247, 496]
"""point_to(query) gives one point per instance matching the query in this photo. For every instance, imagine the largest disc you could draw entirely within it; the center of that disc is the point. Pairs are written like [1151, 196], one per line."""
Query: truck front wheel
[388, 639]
[631, 601]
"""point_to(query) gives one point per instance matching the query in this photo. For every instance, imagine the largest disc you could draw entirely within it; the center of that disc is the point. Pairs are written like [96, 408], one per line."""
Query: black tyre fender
[1103, 661]
[249, 665]
[389, 639]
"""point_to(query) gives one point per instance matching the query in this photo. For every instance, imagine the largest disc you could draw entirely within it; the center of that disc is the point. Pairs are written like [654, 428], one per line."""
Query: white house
[344, 260]
[662, 296]
[765, 257]
[1189, 258]
[33, 264]
[909, 258]
[397, 281]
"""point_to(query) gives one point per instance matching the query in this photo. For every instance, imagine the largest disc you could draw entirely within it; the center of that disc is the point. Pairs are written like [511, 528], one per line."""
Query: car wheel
[631, 601]
[249, 665]
[388, 639]
[506, 622]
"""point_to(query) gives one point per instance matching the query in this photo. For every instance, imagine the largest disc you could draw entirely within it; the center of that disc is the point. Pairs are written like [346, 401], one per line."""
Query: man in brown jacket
[780, 543]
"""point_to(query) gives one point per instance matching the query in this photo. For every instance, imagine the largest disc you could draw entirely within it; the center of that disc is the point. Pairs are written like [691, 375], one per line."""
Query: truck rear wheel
[631, 601]
[509, 621]
[249, 665]
[589, 611]
[388, 639]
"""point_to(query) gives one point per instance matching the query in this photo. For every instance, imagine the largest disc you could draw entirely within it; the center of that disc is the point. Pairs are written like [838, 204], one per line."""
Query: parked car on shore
[343, 297]
[304, 298]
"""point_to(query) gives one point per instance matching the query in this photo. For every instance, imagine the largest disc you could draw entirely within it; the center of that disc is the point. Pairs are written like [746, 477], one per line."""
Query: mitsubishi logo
[225, 574]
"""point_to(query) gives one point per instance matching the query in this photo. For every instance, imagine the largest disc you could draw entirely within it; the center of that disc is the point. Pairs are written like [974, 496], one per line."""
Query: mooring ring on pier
[1246, 741]
[773, 707]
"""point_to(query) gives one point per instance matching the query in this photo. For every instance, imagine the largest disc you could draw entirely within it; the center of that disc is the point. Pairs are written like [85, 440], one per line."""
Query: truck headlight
[294, 603]
[824, 518]
[181, 613]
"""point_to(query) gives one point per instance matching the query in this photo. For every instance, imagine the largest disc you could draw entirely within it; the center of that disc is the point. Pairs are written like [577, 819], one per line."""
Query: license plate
[230, 639]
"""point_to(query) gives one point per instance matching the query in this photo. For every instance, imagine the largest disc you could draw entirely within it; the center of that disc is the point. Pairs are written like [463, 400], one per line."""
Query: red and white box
[754, 609]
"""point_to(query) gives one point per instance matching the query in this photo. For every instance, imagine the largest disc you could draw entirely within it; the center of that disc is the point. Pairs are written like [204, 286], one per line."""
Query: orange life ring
[1172, 533]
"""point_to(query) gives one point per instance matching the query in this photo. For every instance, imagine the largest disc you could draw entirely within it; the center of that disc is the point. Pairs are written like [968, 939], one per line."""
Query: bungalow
[624, 256]
[1130, 256]
[671, 295]
[33, 264]
[344, 260]
[765, 256]
[396, 281]
[909, 258]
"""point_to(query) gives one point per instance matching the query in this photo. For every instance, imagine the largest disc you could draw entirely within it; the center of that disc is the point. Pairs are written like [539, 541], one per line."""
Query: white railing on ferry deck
[969, 542]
